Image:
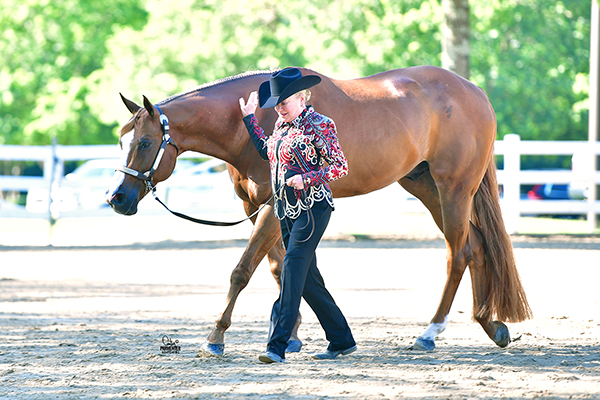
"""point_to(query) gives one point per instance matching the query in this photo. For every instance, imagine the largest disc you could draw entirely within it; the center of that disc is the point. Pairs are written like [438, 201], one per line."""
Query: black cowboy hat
[282, 85]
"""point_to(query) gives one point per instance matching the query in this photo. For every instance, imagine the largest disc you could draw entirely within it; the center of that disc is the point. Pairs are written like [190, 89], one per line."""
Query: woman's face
[291, 108]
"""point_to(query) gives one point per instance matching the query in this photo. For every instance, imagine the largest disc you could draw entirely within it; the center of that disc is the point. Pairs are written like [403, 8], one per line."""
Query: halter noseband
[147, 176]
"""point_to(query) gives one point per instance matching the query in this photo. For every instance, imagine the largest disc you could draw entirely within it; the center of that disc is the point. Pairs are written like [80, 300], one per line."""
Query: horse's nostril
[117, 199]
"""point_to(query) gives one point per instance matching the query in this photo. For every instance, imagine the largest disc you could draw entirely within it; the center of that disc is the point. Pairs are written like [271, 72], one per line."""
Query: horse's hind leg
[454, 223]
[425, 189]
[496, 330]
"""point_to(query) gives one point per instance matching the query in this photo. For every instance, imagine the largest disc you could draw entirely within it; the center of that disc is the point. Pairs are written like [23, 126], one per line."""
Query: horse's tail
[506, 297]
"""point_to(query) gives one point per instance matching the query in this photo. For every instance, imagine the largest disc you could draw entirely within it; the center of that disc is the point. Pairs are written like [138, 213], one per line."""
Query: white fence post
[594, 118]
[584, 172]
[512, 185]
[54, 178]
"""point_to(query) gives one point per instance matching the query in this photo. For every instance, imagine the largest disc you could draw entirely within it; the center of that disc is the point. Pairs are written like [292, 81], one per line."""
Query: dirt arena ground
[87, 323]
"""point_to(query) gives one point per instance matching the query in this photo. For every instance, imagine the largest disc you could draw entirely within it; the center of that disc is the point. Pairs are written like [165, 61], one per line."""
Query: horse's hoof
[502, 336]
[212, 349]
[294, 346]
[423, 344]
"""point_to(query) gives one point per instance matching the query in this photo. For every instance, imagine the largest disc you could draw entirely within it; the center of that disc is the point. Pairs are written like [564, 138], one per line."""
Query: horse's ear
[148, 106]
[131, 106]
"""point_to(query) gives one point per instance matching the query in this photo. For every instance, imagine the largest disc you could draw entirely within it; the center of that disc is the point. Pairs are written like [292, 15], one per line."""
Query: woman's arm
[329, 147]
[257, 134]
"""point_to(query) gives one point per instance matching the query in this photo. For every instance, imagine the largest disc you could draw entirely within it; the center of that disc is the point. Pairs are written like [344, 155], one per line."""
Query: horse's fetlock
[483, 314]
[222, 325]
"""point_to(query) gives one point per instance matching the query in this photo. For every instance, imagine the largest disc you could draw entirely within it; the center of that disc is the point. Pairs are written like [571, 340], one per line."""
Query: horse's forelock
[128, 127]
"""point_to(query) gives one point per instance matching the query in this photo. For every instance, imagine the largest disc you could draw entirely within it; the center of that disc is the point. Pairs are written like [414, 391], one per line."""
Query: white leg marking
[434, 329]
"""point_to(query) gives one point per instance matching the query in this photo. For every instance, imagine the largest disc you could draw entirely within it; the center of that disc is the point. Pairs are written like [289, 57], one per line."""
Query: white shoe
[270, 357]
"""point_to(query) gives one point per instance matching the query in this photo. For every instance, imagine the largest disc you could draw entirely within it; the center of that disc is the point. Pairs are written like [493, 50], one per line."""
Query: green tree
[194, 42]
[47, 50]
[532, 58]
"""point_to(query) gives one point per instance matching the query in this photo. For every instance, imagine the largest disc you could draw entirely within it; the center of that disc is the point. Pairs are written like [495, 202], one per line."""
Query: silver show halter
[166, 140]
[147, 177]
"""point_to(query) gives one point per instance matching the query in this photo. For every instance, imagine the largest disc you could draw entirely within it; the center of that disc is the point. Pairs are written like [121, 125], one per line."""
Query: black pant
[301, 278]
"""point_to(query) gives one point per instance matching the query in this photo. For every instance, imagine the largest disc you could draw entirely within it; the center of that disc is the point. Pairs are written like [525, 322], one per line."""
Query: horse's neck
[209, 121]
[211, 127]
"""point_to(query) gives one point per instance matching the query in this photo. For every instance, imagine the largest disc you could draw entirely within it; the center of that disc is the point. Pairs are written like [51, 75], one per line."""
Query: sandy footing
[88, 322]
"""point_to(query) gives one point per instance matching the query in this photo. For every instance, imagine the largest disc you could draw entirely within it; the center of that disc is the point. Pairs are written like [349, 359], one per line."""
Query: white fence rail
[511, 177]
[53, 158]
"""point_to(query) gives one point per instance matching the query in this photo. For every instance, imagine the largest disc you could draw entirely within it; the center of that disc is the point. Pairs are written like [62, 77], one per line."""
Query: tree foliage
[532, 58]
[48, 49]
[65, 61]
[340, 38]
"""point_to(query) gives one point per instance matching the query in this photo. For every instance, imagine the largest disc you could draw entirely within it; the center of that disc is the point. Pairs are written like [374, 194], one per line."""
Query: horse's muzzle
[121, 203]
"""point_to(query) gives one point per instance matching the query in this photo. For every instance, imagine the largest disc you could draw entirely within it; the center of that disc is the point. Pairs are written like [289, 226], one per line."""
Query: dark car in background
[549, 191]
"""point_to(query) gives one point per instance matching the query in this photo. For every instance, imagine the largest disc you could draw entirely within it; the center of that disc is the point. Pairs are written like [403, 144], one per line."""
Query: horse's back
[428, 87]
[390, 122]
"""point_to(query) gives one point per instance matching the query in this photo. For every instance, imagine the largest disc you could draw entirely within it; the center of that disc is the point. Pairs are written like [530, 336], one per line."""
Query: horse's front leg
[265, 234]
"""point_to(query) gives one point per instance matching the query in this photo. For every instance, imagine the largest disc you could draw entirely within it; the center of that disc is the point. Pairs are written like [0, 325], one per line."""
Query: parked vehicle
[85, 188]
[205, 186]
[549, 191]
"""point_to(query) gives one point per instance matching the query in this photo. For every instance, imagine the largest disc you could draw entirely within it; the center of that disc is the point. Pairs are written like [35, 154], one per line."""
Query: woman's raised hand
[249, 107]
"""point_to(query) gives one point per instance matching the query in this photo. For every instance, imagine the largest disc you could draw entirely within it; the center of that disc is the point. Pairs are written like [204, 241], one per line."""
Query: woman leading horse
[423, 127]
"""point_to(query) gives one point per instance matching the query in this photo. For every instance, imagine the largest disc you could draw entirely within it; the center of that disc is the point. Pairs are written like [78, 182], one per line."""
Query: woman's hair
[306, 94]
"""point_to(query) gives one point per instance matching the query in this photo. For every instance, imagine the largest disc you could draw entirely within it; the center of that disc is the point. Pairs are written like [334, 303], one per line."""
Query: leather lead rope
[203, 221]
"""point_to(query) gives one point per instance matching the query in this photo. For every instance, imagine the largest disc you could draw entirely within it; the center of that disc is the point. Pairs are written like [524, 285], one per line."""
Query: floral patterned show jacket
[300, 147]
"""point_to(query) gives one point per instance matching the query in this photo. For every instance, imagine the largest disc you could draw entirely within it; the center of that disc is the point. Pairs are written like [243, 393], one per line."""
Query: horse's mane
[129, 125]
[215, 83]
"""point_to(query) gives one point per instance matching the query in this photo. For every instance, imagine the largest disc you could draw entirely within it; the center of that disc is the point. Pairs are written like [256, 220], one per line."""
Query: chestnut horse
[424, 127]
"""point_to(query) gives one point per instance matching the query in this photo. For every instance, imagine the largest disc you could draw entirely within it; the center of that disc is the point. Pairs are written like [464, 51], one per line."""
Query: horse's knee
[240, 277]
[276, 269]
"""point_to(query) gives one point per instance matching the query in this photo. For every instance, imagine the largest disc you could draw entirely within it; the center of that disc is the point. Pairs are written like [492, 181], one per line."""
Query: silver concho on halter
[169, 346]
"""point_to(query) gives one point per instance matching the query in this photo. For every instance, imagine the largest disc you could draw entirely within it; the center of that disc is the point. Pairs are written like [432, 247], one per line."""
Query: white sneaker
[270, 357]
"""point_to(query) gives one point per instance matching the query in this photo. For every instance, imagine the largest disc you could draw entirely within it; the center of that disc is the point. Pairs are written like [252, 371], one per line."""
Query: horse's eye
[144, 145]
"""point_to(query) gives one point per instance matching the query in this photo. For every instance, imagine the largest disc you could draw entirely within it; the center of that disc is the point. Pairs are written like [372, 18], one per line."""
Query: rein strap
[203, 221]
